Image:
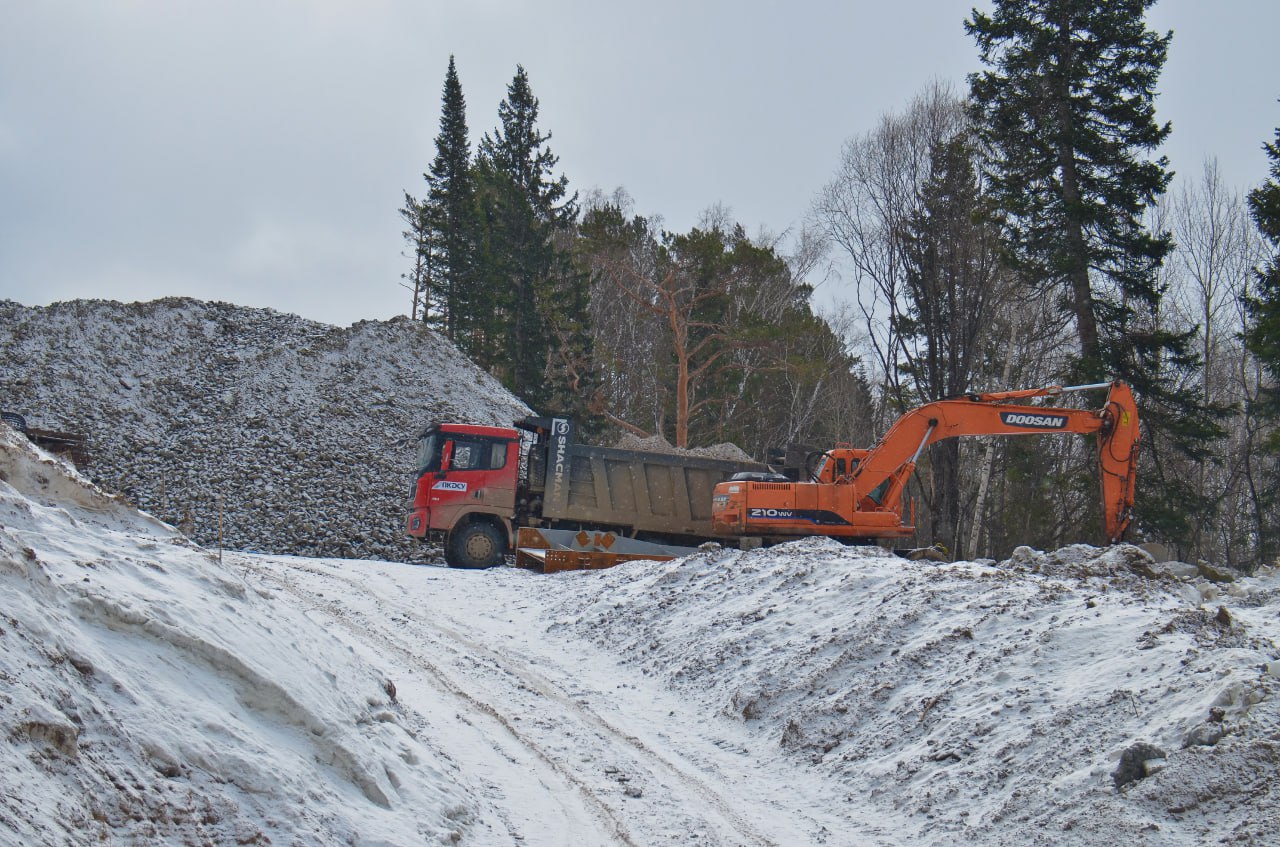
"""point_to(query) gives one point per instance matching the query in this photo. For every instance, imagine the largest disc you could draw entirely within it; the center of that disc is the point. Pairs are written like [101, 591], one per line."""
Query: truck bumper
[418, 523]
[553, 550]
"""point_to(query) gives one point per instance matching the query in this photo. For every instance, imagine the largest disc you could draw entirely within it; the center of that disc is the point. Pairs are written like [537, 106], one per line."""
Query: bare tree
[1217, 250]
[867, 206]
[627, 339]
[417, 237]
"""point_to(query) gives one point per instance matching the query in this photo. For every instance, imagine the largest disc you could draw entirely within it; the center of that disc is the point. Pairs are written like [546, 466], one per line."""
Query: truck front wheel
[476, 545]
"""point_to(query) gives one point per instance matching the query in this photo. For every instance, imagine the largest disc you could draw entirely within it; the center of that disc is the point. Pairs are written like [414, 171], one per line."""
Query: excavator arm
[1118, 443]
[866, 499]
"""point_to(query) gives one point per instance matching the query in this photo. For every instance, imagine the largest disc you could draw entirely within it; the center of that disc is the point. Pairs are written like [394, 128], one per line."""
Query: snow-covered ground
[152, 695]
[803, 694]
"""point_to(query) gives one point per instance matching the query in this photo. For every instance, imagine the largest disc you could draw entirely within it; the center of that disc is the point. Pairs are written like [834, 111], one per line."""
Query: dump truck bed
[661, 493]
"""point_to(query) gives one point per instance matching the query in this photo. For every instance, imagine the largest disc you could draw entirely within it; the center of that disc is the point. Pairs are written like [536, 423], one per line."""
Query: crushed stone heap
[281, 434]
[658, 444]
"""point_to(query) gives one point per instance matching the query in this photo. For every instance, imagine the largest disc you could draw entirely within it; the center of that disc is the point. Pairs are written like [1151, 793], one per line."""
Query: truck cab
[465, 490]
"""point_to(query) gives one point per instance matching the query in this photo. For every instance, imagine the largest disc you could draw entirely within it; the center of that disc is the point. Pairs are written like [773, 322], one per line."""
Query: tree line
[1018, 235]
[587, 309]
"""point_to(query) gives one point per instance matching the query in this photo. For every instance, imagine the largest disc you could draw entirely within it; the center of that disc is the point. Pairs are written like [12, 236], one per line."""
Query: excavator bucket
[1118, 443]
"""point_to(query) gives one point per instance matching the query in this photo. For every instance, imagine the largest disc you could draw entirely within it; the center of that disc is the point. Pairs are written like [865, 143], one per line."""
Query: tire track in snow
[445, 682]
[546, 688]
[732, 826]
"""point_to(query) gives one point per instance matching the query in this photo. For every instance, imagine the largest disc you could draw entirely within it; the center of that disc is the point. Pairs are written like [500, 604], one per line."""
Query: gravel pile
[276, 433]
[658, 444]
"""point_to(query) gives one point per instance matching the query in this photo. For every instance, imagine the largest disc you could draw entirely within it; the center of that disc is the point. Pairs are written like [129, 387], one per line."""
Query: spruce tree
[441, 229]
[1263, 334]
[953, 279]
[1263, 339]
[450, 212]
[1067, 112]
[530, 280]
[517, 149]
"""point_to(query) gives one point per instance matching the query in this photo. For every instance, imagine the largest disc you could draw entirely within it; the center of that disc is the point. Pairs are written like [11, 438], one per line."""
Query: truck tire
[477, 545]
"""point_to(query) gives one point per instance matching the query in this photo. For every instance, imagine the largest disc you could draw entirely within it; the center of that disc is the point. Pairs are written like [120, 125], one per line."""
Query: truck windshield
[429, 452]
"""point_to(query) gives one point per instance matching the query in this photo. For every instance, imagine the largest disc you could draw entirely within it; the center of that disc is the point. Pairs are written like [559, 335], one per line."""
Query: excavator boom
[858, 493]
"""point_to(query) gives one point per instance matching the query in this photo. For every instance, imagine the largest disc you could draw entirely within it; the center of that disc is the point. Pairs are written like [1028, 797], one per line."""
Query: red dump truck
[476, 486]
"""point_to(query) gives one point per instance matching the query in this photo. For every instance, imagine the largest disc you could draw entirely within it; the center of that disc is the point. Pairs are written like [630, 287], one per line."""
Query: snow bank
[272, 432]
[151, 696]
[975, 702]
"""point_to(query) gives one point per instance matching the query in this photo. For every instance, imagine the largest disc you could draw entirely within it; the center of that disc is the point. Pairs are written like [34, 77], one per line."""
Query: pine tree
[1067, 111]
[726, 318]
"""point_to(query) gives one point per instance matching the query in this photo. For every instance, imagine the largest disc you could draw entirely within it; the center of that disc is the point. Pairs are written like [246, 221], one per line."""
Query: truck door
[476, 475]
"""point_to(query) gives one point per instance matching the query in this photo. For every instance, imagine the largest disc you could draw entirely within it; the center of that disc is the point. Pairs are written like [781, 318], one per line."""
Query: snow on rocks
[980, 702]
[270, 431]
[151, 695]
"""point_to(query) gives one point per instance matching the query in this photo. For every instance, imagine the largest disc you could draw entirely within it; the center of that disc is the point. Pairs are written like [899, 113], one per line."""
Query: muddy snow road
[563, 745]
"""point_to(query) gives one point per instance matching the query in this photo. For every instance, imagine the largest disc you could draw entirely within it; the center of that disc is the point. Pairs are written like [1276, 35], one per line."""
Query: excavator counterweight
[857, 493]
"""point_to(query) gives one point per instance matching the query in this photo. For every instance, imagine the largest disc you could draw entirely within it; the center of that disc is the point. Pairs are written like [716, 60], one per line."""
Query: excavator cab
[837, 465]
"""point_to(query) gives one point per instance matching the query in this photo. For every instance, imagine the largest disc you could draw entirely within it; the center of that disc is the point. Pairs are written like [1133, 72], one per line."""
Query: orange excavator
[857, 493]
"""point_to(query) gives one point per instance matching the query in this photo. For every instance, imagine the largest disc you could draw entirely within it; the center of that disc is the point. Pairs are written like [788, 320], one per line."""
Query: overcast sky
[257, 152]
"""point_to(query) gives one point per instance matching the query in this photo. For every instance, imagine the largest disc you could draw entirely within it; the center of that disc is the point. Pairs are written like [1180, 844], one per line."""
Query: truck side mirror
[446, 458]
